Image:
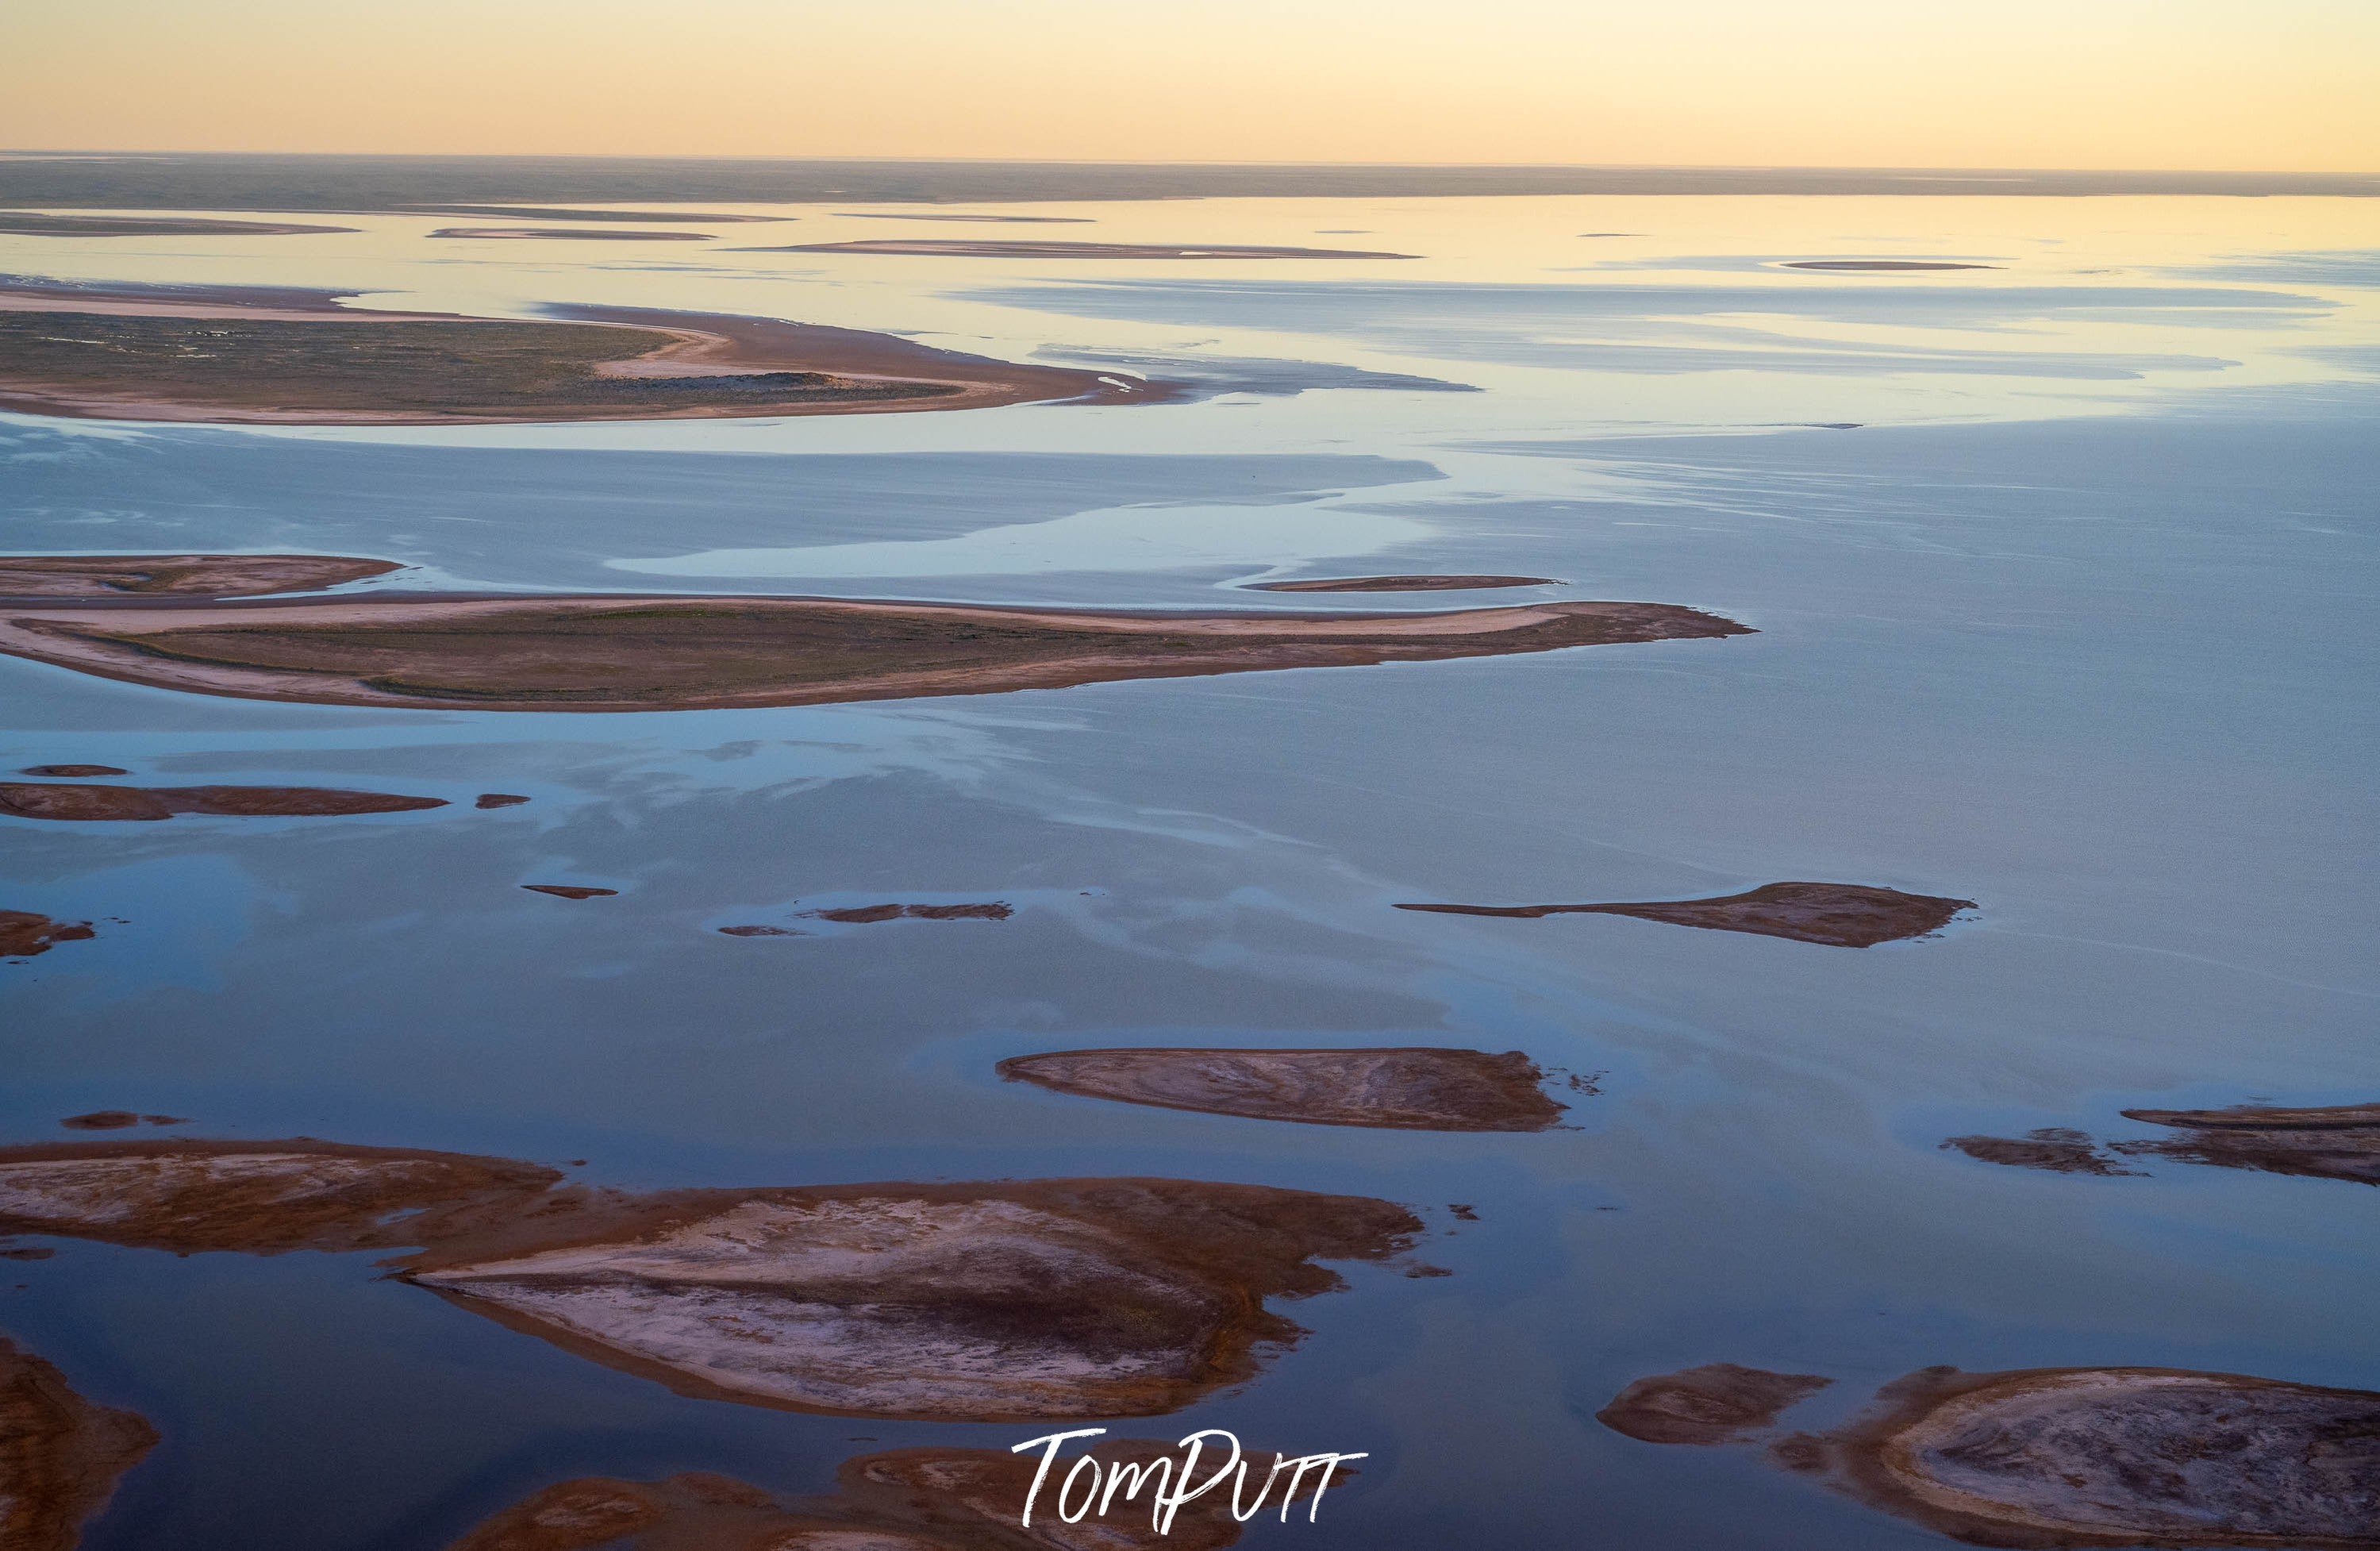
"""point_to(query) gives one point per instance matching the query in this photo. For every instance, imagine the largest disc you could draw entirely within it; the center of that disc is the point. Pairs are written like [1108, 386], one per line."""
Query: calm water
[2076, 622]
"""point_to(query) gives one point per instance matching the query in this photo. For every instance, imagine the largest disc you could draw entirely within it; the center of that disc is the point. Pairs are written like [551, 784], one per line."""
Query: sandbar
[869, 915]
[2341, 1142]
[178, 576]
[922, 246]
[1719, 1402]
[1838, 915]
[60, 1455]
[653, 652]
[255, 356]
[24, 933]
[2054, 1148]
[64, 772]
[599, 234]
[1400, 583]
[25, 223]
[2077, 1457]
[560, 212]
[950, 216]
[118, 1119]
[571, 891]
[88, 803]
[1394, 1089]
[1882, 265]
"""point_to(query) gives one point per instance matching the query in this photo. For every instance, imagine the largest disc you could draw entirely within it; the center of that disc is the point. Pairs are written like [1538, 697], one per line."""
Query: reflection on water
[2077, 624]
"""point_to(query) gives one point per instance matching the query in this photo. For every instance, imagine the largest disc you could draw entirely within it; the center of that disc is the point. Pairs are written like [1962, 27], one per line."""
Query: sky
[2264, 85]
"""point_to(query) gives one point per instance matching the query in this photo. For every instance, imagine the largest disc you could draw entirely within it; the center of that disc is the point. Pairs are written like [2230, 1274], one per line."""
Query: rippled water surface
[2063, 571]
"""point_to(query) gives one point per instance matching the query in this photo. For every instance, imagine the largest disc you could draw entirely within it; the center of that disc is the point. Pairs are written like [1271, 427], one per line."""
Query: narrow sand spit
[177, 576]
[72, 772]
[243, 356]
[1400, 583]
[869, 915]
[24, 933]
[571, 891]
[904, 1500]
[86, 803]
[1882, 266]
[595, 233]
[2338, 1142]
[25, 223]
[1719, 1402]
[995, 1301]
[562, 212]
[959, 248]
[60, 1455]
[117, 1120]
[1838, 915]
[2079, 1457]
[1416, 1088]
[671, 651]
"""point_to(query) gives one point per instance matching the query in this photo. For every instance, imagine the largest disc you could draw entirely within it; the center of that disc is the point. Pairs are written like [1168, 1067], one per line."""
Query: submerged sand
[981, 1301]
[229, 355]
[1409, 1088]
[626, 652]
[1838, 915]
[60, 1455]
[1719, 1402]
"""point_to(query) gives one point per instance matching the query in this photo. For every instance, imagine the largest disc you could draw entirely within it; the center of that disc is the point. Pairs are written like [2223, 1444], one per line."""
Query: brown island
[1838, 915]
[1415, 1088]
[1400, 583]
[249, 356]
[24, 933]
[625, 651]
[2340, 1142]
[901, 1499]
[955, 248]
[2047, 1457]
[86, 802]
[1007, 1301]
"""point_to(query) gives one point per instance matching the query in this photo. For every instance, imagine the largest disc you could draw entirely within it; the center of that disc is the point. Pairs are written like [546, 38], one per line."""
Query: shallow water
[2076, 622]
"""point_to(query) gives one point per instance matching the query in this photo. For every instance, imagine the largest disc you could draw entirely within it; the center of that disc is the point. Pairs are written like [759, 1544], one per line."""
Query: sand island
[255, 356]
[1838, 915]
[1719, 1402]
[60, 1455]
[1400, 583]
[84, 803]
[24, 933]
[921, 247]
[1410, 1089]
[27, 223]
[2339, 1142]
[625, 651]
[591, 234]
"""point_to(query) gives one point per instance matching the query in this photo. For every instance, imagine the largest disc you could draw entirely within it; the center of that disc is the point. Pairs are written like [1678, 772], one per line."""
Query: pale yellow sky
[2274, 85]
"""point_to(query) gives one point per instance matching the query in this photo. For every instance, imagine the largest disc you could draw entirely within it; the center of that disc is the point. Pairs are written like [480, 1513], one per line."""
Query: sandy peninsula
[24, 933]
[1400, 583]
[960, 248]
[177, 576]
[60, 1455]
[1838, 915]
[2135, 1457]
[669, 651]
[253, 356]
[1407, 1089]
[1005, 1300]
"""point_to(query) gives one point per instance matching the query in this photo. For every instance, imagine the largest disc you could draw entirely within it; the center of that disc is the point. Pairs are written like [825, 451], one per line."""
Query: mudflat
[1411, 1089]
[60, 1455]
[630, 652]
[955, 248]
[249, 356]
[1838, 915]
